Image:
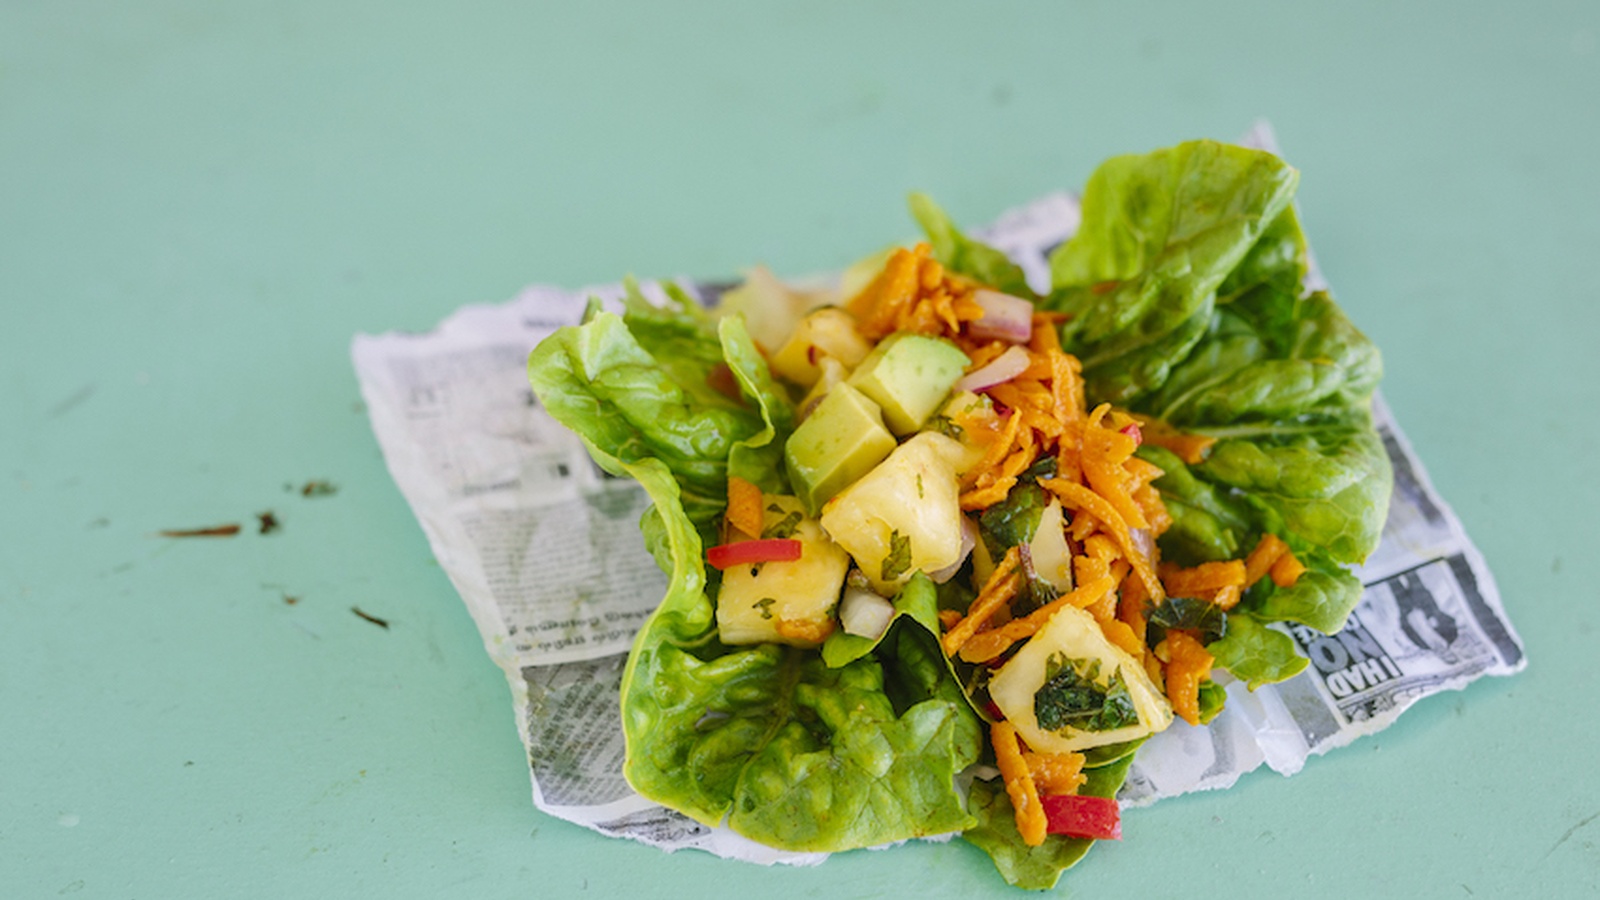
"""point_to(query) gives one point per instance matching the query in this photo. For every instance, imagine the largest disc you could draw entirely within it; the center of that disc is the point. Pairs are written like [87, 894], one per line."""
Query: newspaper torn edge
[544, 549]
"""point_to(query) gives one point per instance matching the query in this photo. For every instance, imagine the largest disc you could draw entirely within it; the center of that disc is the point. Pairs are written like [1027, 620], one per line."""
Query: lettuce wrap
[1181, 297]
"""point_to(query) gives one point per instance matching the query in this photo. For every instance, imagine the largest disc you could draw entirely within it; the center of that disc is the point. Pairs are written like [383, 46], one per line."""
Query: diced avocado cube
[909, 375]
[840, 441]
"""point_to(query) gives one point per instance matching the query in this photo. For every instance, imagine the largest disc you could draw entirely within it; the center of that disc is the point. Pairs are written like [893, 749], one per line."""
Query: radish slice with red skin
[1005, 317]
[1001, 369]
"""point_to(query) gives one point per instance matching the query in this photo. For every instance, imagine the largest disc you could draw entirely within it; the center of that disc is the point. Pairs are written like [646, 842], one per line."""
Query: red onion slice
[1002, 368]
[1004, 318]
[969, 539]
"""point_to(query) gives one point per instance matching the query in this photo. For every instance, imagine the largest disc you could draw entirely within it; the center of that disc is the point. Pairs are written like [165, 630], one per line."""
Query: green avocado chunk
[909, 376]
[839, 442]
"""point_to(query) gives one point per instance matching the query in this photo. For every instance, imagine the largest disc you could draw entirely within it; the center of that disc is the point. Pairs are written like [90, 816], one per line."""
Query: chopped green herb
[784, 527]
[945, 426]
[765, 605]
[1073, 699]
[898, 562]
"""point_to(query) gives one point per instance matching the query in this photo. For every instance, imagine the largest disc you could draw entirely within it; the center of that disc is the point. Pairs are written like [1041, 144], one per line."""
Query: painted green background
[201, 202]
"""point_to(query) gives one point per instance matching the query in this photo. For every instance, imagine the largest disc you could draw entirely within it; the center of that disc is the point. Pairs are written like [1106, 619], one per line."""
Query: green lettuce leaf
[1212, 697]
[758, 458]
[1160, 233]
[790, 752]
[1209, 522]
[1277, 258]
[918, 600]
[966, 256]
[1036, 868]
[1256, 654]
[1322, 598]
[1184, 282]
[1271, 355]
[629, 408]
[1320, 485]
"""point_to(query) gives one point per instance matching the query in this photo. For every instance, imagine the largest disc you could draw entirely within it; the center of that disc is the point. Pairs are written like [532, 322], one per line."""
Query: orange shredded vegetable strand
[1100, 546]
[1104, 452]
[1083, 525]
[1228, 597]
[987, 645]
[1031, 822]
[983, 498]
[1155, 510]
[1188, 664]
[1118, 632]
[808, 630]
[1079, 497]
[1287, 570]
[1057, 774]
[744, 506]
[1130, 608]
[881, 303]
[1000, 588]
[1090, 568]
[1191, 448]
[1105, 609]
[998, 450]
[1141, 471]
[1260, 560]
[1204, 580]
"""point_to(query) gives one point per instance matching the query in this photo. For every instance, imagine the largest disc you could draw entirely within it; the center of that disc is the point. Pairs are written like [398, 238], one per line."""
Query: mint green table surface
[201, 202]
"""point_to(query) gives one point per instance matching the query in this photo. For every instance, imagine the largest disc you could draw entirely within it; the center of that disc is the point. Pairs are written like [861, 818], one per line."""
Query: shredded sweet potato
[998, 450]
[987, 645]
[1287, 570]
[1141, 471]
[1120, 633]
[1187, 665]
[1130, 607]
[985, 497]
[1031, 822]
[1104, 452]
[807, 630]
[1228, 597]
[1260, 560]
[997, 591]
[1056, 773]
[1191, 448]
[1079, 497]
[744, 506]
[879, 305]
[1105, 609]
[1155, 510]
[1089, 568]
[1100, 546]
[1205, 579]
